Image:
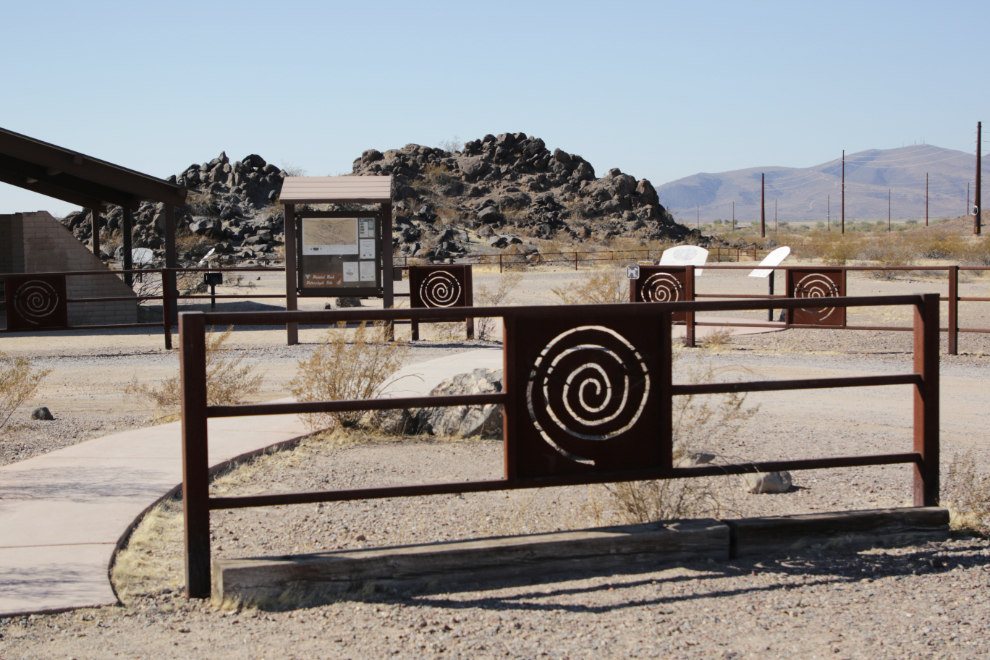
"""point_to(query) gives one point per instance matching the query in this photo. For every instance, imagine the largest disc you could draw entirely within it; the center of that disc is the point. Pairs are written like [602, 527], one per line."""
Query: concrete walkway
[61, 514]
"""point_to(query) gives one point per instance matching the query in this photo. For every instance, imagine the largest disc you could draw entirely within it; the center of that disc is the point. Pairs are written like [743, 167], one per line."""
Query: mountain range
[811, 194]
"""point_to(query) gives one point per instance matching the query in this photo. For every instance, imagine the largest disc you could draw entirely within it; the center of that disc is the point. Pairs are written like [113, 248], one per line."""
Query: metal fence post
[195, 453]
[666, 413]
[500, 263]
[575, 259]
[926, 405]
[953, 310]
[166, 309]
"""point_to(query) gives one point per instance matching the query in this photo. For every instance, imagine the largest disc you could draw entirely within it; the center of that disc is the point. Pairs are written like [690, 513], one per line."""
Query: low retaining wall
[502, 561]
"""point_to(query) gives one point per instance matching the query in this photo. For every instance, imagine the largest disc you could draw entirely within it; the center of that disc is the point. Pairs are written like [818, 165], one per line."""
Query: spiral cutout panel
[817, 285]
[440, 289]
[588, 384]
[662, 287]
[35, 300]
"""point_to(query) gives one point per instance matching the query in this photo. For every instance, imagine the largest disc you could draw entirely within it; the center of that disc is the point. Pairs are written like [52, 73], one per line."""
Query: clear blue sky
[661, 90]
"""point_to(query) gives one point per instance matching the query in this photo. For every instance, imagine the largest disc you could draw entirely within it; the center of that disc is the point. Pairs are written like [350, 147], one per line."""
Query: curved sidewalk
[62, 513]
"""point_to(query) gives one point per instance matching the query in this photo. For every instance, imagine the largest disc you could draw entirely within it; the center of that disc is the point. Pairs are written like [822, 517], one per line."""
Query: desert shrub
[840, 252]
[493, 297]
[966, 493]
[18, 381]
[977, 253]
[938, 244]
[701, 424]
[227, 381]
[886, 250]
[341, 370]
[608, 285]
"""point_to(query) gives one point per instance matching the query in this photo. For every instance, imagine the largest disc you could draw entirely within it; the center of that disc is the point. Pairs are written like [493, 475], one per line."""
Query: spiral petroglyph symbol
[662, 287]
[440, 289]
[35, 300]
[588, 384]
[817, 285]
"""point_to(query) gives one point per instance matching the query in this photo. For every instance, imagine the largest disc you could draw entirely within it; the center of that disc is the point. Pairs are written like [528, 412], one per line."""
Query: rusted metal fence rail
[555, 434]
[577, 257]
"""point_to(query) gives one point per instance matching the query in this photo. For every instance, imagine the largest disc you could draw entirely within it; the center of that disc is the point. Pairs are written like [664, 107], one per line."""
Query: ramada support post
[195, 453]
[171, 261]
[128, 257]
[95, 226]
[926, 404]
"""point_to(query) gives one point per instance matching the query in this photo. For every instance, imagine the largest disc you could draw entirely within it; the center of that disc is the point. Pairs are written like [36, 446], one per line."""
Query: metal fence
[555, 434]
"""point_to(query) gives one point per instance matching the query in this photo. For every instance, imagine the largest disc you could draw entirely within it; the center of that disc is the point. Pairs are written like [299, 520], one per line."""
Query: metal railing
[538, 341]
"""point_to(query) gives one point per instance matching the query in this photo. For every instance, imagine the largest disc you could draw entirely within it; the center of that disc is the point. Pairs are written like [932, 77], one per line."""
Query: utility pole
[733, 215]
[775, 215]
[699, 217]
[763, 217]
[926, 199]
[843, 230]
[828, 221]
[976, 198]
[888, 210]
[968, 208]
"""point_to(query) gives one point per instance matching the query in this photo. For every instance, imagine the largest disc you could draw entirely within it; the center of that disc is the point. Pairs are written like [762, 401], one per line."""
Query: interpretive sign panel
[339, 257]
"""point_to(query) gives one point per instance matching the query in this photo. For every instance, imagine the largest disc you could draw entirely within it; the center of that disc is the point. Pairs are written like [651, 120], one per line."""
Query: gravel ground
[915, 602]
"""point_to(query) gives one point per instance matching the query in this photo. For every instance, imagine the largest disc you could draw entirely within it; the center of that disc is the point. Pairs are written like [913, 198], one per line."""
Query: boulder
[766, 482]
[464, 421]
[43, 414]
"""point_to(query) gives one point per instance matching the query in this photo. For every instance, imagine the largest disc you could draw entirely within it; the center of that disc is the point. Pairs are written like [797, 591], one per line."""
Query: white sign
[367, 271]
[632, 272]
[350, 271]
[685, 255]
[367, 248]
[771, 261]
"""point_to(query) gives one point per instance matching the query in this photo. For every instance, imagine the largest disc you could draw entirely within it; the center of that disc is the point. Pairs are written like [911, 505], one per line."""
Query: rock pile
[497, 193]
[234, 207]
[500, 188]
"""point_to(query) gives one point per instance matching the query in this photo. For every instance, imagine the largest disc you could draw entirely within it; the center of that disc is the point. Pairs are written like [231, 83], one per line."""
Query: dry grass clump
[227, 382]
[494, 296]
[701, 424]
[608, 285]
[717, 340]
[966, 493]
[342, 370]
[18, 381]
[150, 563]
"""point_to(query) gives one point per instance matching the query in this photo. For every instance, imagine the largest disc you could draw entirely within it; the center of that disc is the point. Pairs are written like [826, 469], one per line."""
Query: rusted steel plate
[35, 301]
[587, 396]
[664, 284]
[439, 286]
[816, 283]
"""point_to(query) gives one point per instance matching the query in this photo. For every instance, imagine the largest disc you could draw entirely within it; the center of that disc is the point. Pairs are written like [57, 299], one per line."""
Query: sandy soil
[922, 601]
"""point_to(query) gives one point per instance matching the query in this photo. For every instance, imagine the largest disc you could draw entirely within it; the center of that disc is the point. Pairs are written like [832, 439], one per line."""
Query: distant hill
[802, 193]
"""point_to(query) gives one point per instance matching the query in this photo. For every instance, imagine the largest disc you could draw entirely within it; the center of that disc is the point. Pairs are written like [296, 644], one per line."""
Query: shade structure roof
[77, 178]
[336, 190]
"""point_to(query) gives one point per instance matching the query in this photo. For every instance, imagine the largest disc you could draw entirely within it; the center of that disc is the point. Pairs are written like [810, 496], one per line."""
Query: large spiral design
[440, 289]
[662, 287]
[34, 300]
[588, 384]
[816, 285]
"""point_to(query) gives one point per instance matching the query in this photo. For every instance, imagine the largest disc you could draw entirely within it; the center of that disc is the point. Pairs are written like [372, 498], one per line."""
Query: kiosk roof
[336, 190]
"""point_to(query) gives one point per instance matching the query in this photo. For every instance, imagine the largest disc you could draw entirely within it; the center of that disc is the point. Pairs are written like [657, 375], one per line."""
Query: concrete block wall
[47, 246]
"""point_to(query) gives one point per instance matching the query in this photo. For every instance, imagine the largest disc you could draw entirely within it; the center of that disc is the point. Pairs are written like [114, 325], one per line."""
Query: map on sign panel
[330, 236]
[771, 261]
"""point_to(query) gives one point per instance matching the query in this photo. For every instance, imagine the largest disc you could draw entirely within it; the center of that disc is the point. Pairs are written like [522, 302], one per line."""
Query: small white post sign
[632, 272]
